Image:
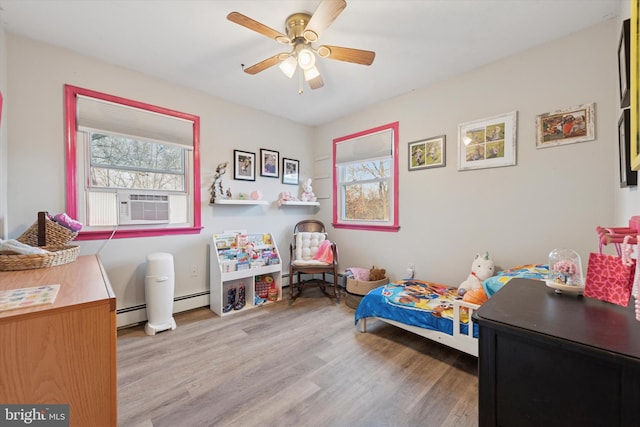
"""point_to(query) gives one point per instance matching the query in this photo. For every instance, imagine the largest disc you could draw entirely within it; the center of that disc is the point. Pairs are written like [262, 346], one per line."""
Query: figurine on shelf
[217, 191]
[307, 192]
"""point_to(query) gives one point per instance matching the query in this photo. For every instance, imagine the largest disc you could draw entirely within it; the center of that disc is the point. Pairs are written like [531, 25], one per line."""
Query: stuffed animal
[376, 274]
[482, 268]
[286, 196]
[307, 192]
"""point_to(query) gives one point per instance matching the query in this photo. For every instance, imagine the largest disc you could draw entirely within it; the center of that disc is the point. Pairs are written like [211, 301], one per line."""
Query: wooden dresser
[557, 360]
[65, 352]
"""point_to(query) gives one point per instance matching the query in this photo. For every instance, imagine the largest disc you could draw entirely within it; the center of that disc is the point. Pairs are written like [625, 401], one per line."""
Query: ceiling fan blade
[263, 65]
[316, 82]
[364, 57]
[325, 14]
[258, 27]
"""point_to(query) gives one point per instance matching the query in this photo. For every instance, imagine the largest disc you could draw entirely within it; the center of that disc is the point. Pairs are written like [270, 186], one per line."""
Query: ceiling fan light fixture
[311, 73]
[306, 59]
[288, 66]
[323, 51]
[310, 35]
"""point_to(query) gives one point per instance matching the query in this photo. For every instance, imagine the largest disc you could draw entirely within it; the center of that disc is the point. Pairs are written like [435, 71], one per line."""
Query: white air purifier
[158, 288]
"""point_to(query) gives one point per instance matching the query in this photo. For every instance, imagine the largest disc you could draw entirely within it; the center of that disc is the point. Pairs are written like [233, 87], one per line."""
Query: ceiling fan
[302, 31]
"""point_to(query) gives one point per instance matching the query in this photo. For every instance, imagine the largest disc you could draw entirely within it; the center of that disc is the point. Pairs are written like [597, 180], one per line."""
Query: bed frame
[462, 342]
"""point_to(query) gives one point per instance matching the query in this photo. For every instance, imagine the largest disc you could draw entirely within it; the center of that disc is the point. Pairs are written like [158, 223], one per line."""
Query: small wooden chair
[308, 235]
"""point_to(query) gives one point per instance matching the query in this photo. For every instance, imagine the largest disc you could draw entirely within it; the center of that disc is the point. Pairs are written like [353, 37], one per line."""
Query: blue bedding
[415, 302]
[528, 271]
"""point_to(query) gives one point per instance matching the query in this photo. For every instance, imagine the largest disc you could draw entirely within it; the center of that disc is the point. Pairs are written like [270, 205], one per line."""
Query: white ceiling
[191, 43]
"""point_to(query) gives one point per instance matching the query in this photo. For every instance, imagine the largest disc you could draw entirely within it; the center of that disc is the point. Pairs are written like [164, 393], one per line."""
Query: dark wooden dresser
[547, 359]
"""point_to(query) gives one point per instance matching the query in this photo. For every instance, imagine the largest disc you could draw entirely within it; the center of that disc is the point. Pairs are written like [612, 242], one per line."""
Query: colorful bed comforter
[417, 303]
[528, 271]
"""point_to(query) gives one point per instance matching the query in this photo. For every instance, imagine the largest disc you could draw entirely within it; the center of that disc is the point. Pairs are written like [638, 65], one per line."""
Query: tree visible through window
[366, 179]
[121, 162]
[366, 190]
[133, 169]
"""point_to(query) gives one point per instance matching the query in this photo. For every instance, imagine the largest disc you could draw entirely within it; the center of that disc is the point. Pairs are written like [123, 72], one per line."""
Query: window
[365, 179]
[121, 162]
[132, 168]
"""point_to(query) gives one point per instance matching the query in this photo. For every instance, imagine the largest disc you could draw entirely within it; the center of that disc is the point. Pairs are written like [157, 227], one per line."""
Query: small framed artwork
[566, 126]
[244, 165]
[290, 171]
[427, 153]
[628, 177]
[487, 143]
[269, 163]
[624, 63]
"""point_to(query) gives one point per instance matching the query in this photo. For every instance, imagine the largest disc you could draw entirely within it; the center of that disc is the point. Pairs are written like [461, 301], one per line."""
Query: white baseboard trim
[136, 315]
[131, 316]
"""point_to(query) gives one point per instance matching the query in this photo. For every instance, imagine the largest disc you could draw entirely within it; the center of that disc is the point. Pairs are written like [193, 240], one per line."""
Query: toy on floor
[482, 268]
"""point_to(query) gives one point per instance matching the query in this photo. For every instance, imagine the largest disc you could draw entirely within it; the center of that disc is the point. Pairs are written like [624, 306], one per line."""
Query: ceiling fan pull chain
[300, 83]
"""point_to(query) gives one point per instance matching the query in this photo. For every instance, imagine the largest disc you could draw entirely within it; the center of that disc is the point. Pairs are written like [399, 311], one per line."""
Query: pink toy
[68, 222]
[286, 196]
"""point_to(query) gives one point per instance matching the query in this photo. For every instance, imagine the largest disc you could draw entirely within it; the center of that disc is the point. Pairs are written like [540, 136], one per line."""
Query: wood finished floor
[300, 364]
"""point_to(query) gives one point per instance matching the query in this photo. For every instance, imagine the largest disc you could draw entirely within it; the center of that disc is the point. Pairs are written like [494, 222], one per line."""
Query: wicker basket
[54, 233]
[58, 255]
[357, 289]
[48, 235]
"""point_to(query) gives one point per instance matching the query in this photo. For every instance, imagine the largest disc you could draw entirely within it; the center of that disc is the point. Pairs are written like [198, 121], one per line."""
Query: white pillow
[307, 244]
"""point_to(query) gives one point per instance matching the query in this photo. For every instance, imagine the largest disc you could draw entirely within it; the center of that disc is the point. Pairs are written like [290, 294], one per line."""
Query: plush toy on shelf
[482, 268]
[286, 196]
[307, 192]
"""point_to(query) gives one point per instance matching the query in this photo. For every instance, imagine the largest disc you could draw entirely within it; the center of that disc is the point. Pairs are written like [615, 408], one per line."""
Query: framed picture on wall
[565, 126]
[290, 171]
[624, 63]
[269, 163]
[244, 165]
[427, 153]
[487, 143]
[628, 177]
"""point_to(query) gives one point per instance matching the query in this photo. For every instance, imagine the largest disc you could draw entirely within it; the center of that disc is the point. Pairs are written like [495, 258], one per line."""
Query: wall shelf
[298, 203]
[239, 202]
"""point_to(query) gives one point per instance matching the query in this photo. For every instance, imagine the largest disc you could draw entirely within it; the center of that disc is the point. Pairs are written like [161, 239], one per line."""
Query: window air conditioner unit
[143, 208]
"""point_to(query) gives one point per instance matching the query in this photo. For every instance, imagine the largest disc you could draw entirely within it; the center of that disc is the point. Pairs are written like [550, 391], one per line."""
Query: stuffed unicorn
[482, 268]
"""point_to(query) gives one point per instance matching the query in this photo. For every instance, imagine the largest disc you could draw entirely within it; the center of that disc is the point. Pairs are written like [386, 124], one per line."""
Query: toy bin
[356, 289]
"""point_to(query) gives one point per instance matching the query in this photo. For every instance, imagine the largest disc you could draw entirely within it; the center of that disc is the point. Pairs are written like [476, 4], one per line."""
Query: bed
[433, 310]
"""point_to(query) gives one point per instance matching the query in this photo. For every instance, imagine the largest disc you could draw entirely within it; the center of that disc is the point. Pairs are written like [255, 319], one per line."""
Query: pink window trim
[71, 94]
[396, 186]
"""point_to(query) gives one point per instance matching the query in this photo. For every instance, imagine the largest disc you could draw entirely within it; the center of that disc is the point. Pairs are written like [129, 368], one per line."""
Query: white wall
[627, 200]
[3, 136]
[554, 197]
[36, 75]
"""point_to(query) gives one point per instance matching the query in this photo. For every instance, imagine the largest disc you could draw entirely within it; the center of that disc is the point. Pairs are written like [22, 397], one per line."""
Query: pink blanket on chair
[324, 253]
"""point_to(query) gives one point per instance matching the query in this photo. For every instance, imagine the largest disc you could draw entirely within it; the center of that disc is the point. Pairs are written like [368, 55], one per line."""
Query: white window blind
[367, 147]
[96, 115]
